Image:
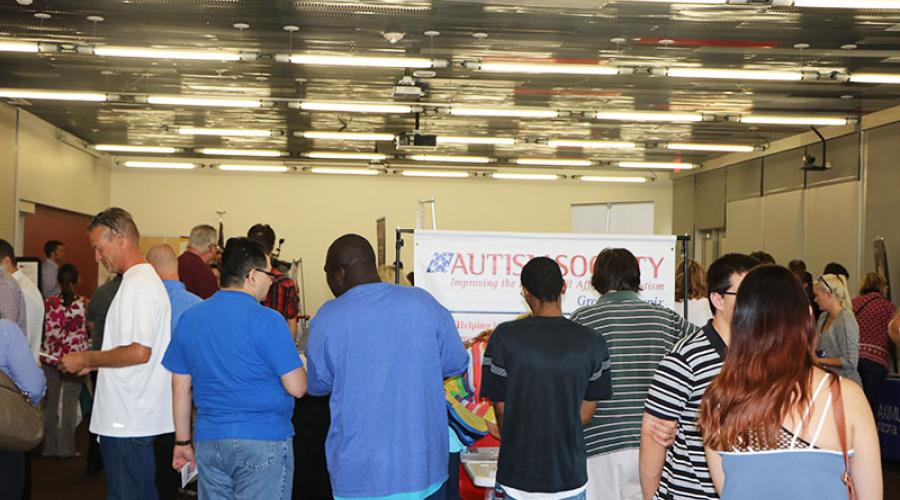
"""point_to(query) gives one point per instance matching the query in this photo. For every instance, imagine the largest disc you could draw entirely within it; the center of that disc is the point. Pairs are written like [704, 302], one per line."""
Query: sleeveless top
[792, 471]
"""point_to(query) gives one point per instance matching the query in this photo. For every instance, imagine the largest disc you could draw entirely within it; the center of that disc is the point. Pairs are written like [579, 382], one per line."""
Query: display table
[888, 419]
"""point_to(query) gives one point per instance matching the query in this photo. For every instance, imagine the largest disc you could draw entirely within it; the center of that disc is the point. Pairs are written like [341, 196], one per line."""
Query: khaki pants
[614, 476]
[60, 419]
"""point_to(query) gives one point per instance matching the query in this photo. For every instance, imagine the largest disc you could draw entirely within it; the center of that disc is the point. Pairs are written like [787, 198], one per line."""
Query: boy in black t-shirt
[544, 375]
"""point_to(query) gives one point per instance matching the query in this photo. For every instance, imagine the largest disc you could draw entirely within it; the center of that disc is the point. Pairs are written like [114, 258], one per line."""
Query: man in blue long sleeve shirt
[382, 352]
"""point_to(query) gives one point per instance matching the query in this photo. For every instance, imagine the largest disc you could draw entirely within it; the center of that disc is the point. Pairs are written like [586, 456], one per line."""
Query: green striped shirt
[638, 335]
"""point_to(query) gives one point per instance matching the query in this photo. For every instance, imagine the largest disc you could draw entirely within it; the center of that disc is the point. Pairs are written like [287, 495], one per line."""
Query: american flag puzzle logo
[440, 262]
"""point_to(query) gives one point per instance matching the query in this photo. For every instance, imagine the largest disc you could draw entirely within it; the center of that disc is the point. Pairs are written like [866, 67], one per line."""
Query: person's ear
[563, 290]
[718, 301]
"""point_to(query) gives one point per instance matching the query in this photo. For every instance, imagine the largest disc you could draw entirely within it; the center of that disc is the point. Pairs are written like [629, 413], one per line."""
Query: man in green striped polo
[638, 335]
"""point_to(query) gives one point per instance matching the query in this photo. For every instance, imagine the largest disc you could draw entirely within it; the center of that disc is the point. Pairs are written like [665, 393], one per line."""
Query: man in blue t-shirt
[242, 366]
[382, 352]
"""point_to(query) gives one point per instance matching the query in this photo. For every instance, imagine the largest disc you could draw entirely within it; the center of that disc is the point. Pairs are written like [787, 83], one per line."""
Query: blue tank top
[789, 473]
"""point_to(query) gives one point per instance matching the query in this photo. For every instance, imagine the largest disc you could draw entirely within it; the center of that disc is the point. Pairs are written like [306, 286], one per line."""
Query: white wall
[311, 211]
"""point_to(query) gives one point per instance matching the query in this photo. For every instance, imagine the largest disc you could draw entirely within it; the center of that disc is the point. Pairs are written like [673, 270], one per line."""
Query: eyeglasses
[267, 273]
[727, 293]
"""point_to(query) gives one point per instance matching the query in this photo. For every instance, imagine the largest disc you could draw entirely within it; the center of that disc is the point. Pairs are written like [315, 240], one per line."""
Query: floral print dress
[65, 328]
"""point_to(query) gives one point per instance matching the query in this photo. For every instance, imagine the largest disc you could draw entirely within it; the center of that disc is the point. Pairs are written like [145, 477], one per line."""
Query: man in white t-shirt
[133, 401]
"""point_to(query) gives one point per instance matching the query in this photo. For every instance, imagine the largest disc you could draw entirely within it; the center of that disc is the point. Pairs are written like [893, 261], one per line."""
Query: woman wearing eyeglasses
[838, 344]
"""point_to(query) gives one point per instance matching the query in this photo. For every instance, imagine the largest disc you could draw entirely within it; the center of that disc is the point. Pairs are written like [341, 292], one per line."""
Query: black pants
[167, 479]
[453, 479]
[873, 376]
[12, 475]
[312, 418]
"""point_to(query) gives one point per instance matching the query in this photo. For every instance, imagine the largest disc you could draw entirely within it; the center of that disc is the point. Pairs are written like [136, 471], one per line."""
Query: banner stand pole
[398, 244]
[685, 240]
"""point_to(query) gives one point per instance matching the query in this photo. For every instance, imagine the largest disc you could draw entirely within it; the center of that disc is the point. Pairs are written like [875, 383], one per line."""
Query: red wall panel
[48, 223]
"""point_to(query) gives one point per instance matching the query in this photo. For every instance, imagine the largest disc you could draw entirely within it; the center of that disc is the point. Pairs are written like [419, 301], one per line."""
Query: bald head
[350, 262]
[163, 259]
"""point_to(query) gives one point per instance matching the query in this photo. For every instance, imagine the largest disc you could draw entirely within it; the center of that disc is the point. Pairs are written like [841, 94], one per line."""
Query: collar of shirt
[235, 295]
[715, 339]
[619, 296]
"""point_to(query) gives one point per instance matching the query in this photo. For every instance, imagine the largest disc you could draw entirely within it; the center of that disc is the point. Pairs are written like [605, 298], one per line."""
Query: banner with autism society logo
[476, 274]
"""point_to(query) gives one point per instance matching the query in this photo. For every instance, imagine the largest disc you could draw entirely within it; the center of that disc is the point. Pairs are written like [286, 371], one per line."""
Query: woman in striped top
[768, 423]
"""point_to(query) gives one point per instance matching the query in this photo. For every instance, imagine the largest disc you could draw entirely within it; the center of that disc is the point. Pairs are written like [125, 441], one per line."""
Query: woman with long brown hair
[769, 421]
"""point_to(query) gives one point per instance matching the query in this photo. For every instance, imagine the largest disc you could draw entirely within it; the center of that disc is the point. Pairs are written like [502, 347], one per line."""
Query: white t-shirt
[136, 401]
[699, 312]
[34, 312]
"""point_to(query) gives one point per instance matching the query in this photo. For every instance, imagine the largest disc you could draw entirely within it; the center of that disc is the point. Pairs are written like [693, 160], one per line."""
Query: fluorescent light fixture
[601, 178]
[792, 120]
[656, 164]
[345, 136]
[435, 173]
[875, 78]
[272, 153]
[586, 144]
[649, 116]
[455, 139]
[159, 164]
[225, 132]
[343, 171]
[548, 68]
[123, 148]
[148, 53]
[736, 74]
[29, 47]
[362, 61]
[253, 168]
[555, 162]
[524, 177]
[504, 112]
[53, 95]
[845, 4]
[689, 146]
[222, 102]
[339, 155]
[351, 107]
[452, 159]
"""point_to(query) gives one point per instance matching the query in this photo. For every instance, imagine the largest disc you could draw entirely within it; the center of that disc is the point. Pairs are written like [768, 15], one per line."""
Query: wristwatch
[186, 442]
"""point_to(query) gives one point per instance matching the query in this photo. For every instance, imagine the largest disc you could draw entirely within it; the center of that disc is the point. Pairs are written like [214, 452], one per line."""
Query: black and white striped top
[638, 335]
[675, 394]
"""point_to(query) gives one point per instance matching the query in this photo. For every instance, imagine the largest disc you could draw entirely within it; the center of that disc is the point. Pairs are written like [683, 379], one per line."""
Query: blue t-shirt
[382, 351]
[180, 298]
[235, 351]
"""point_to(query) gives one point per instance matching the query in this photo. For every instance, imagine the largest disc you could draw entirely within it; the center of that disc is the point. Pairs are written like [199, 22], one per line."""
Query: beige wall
[311, 211]
[882, 197]
[56, 170]
[7, 172]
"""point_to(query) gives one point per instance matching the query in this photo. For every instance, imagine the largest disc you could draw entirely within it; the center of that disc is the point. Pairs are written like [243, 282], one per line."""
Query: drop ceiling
[643, 37]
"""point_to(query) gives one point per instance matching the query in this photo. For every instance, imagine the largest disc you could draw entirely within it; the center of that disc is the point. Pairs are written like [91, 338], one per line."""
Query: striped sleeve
[670, 389]
[493, 369]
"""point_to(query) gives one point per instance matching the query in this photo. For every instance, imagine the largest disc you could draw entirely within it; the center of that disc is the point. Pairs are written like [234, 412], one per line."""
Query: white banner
[476, 274]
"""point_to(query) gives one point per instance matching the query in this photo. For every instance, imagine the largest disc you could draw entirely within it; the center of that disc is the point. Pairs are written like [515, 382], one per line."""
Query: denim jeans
[245, 469]
[130, 467]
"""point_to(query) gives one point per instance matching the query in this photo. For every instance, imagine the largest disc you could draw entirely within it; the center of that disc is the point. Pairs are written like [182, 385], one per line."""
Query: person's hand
[75, 362]
[662, 431]
[182, 455]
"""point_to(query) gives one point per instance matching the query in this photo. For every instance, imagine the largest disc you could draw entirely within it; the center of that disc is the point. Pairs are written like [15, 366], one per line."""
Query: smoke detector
[393, 36]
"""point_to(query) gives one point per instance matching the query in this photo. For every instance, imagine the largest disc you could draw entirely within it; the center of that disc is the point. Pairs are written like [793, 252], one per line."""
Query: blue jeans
[130, 467]
[245, 469]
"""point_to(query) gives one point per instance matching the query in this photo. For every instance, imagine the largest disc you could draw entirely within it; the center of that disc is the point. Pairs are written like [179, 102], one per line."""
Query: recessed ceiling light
[95, 19]
[548, 68]
[42, 16]
[656, 164]
[588, 144]
[240, 26]
[125, 148]
[342, 155]
[690, 146]
[875, 77]
[511, 112]
[849, 46]
[10, 46]
[361, 61]
[452, 159]
[225, 132]
[479, 35]
[455, 139]
[53, 95]
[556, 162]
[735, 74]
[666, 41]
[343, 171]
[801, 46]
[204, 101]
[524, 177]
[254, 168]
[848, 96]
[435, 173]
[618, 39]
[291, 28]
[159, 164]
[649, 116]
[148, 53]
[600, 178]
[845, 4]
[24, 2]
[241, 152]
[345, 136]
[792, 120]
[432, 33]
[351, 107]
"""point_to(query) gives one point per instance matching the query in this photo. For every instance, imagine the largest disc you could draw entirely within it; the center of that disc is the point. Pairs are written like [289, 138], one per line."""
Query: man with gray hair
[193, 264]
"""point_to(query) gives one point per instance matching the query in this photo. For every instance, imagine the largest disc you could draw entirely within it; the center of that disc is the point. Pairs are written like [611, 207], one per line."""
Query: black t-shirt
[543, 369]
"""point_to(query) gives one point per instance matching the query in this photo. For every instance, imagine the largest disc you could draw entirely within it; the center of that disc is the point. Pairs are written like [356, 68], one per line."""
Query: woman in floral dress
[65, 331]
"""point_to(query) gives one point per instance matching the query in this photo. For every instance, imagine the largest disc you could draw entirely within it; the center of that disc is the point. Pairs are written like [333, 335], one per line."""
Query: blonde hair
[836, 285]
[697, 281]
[873, 282]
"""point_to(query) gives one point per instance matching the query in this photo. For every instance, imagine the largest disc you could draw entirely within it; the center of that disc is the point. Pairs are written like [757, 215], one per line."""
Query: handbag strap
[837, 402]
